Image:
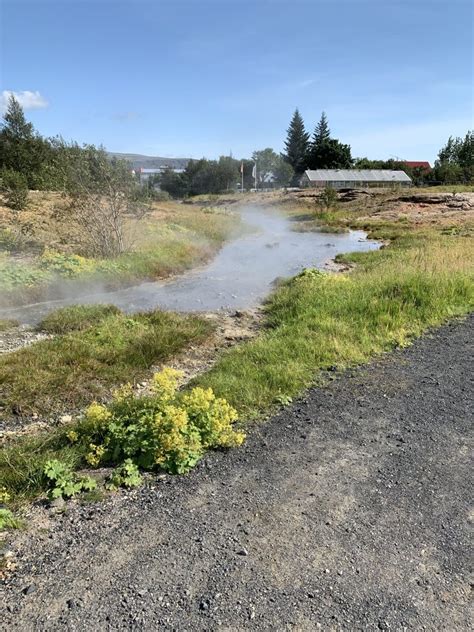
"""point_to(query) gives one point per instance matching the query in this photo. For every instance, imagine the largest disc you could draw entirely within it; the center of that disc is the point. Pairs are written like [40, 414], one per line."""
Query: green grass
[6, 324]
[22, 462]
[70, 370]
[343, 320]
[76, 318]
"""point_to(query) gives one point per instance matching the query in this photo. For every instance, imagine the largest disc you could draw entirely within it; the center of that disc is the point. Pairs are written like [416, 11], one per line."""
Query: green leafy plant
[8, 520]
[125, 475]
[63, 482]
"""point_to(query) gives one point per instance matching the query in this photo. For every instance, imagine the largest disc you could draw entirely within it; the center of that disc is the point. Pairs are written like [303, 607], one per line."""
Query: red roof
[418, 163]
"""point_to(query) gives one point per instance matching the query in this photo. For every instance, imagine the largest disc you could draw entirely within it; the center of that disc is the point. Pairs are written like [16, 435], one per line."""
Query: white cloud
[26, 98]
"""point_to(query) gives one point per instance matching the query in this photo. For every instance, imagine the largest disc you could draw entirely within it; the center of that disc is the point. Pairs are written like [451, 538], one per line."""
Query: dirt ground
[350, 510]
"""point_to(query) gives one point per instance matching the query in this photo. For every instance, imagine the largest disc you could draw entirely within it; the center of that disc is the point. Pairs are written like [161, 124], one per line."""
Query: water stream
[239, 277]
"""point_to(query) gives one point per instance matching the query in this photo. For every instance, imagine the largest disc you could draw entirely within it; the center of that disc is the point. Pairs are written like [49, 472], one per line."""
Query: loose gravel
[347, 511]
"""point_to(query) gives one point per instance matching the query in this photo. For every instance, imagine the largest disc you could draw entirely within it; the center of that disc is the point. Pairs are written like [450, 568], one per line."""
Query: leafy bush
[165, 429]
[15, 187]
[63, 482]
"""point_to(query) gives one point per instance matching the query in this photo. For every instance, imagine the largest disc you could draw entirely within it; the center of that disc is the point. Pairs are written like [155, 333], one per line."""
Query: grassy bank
[319, 321]
[96, 349]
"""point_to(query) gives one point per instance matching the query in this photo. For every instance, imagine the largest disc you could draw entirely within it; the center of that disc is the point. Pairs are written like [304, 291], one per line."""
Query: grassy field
[172, 238]
[96, 349]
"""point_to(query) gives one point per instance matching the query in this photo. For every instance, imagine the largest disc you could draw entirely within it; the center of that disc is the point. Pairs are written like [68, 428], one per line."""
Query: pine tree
[21, 148]
[321, 133]
[325, 152]
[296, 144]
[15, 126]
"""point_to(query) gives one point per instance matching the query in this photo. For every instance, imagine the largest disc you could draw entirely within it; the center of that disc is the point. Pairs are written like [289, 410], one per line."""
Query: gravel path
[348, 511]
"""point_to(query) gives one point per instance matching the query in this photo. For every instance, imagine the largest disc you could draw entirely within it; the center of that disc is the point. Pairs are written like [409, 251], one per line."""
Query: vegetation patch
[76, 318]
[100, 348]
[166, 430]
[7, 323]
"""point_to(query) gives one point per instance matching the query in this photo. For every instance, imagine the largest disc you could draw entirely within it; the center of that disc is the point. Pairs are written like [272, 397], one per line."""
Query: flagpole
[255, 175]
[242, 176]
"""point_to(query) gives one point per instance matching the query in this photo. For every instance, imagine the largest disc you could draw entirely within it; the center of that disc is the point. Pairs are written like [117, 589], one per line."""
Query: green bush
[165, 429]
[15, 187]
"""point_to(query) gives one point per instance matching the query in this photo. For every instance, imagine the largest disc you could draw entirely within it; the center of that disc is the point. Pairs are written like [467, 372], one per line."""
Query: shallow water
[239, 277]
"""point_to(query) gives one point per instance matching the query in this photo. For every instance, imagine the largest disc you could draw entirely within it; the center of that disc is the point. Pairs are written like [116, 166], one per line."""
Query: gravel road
[348, 511]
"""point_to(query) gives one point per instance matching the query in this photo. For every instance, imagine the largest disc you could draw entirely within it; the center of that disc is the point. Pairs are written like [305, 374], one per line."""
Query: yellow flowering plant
[166, 429]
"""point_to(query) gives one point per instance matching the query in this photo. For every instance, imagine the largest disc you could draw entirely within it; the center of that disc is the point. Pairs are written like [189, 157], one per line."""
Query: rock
[243, 552]
[57, 504]
[29, 589]
[65, 419]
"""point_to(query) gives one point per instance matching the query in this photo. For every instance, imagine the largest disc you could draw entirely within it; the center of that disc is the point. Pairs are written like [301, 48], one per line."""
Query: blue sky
[203, 77]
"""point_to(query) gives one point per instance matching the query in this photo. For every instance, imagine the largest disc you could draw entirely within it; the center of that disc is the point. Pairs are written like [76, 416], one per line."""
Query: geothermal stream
[239, 277]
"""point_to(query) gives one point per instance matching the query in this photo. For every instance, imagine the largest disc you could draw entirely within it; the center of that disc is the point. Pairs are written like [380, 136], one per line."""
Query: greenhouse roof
[356, 175]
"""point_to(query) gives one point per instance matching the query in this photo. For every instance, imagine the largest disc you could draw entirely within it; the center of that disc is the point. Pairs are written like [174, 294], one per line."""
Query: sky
[193, 78]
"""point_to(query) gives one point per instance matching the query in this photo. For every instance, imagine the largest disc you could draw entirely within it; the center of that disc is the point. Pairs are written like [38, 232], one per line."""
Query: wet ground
[239, 277]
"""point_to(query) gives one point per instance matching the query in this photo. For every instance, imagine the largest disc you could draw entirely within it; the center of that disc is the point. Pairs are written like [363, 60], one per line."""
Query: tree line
[455, 162]
[30, 161]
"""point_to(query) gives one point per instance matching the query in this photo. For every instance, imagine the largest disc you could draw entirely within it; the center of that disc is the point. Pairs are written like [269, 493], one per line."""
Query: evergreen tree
[325, 152]
[321, 133]
[296, 144]
[21, 148]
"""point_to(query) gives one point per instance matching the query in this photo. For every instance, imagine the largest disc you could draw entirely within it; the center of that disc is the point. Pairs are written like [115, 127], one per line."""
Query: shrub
[63, 482]
[164, 429]
[15, 187]
[328, 198]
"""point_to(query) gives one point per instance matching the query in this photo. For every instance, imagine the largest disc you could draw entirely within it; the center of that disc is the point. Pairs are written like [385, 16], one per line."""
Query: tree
[102, 200]
[21, 148]
[325, 152]
[173, 183]
[271, 168]
[455, 163]
[296, 144]
[330, 154]
[321, 133]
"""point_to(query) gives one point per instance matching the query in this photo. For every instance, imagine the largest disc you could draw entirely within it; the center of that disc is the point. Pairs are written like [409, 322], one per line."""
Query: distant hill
[151, 162]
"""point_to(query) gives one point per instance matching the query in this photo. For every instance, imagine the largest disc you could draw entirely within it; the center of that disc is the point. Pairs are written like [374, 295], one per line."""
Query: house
[423, 165]
[354, 178]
